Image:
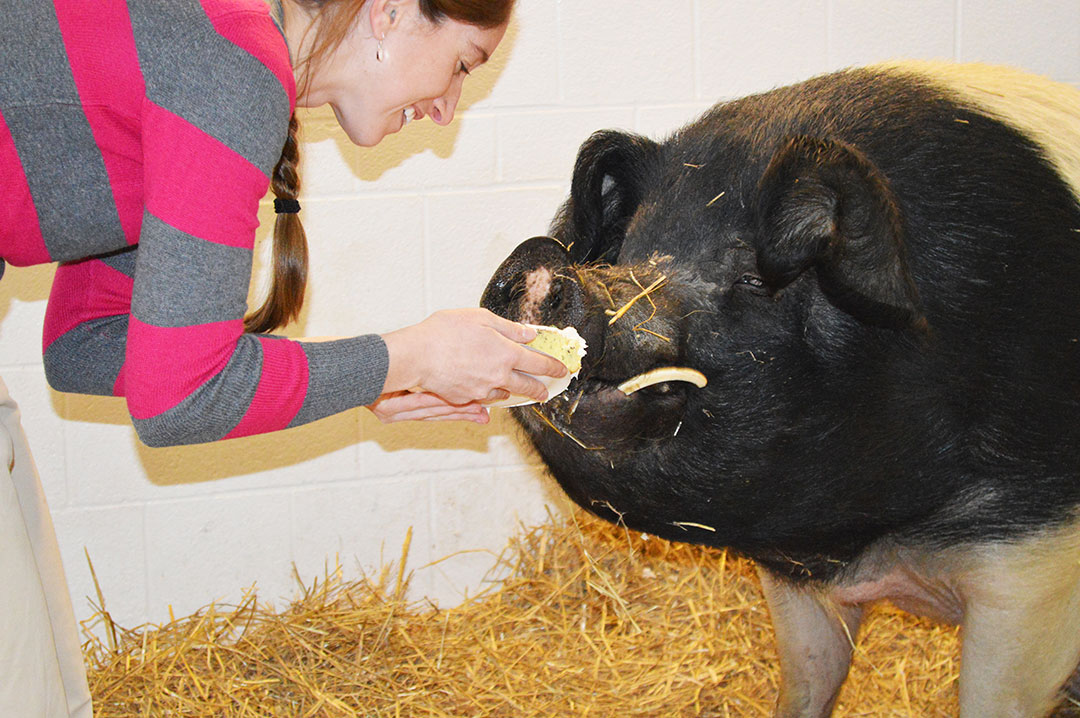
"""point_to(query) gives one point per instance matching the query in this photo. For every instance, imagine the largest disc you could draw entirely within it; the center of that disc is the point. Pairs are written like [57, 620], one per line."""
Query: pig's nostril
[504, 296]
[514, 291]
[554, 299]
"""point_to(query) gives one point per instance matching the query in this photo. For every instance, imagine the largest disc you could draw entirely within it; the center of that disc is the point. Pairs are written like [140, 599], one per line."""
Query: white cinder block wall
[415, 225]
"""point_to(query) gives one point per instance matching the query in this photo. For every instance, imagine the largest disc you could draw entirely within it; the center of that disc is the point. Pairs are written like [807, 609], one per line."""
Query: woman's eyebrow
[484, 56]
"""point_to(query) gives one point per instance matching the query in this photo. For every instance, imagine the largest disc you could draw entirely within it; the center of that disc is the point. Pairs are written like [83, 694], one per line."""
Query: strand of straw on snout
[643, 293]
[640, 326]
[584, 276]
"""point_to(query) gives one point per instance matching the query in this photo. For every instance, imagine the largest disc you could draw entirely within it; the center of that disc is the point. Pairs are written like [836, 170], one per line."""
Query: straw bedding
[589, 619]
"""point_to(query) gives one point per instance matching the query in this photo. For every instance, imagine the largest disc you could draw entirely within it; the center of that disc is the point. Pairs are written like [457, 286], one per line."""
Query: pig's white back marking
[537, 286]
[1044, 111]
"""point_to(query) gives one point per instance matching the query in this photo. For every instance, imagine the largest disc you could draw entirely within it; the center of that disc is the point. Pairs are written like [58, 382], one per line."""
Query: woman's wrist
[401, 374]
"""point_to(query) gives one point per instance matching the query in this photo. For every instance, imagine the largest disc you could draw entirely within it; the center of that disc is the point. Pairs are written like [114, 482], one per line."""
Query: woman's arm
[86, 323]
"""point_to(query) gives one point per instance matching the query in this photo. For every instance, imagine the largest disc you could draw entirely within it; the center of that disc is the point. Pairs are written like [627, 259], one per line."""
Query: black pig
[878, 273]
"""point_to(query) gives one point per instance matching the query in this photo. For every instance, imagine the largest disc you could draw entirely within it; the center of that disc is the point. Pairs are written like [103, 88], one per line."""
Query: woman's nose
[442, 109]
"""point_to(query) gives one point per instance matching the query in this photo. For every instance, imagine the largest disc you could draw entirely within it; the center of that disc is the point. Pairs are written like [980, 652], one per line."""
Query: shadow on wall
[199, 463]
[24, 284]
[369, 164]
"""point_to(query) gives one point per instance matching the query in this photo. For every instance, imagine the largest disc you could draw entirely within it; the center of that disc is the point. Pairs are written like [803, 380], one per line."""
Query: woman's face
[420, 75]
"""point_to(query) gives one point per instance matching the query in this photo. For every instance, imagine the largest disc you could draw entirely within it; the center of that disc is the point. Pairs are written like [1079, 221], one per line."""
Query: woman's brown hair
[334, 18]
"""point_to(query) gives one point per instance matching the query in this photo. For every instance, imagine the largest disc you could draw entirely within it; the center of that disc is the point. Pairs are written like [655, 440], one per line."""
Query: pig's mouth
[599, 414]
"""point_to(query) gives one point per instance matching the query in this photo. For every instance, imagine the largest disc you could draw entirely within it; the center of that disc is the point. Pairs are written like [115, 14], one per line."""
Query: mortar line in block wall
[430, 486]
[563, 109]
[145, 562]
[30, 365]
[559, 54]
[310, 202]
[958, 14]
[292, 526]
[361, 459]
[245, 493]
[497, 147]
[436, 191]
[829, 16]
[542, 185]
[695, 48]
[425, 233]
[65, 461]
[358, 482]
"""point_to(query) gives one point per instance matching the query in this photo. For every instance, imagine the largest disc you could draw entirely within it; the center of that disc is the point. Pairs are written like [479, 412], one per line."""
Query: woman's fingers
[409, 406]
[536, 363]
[497, 395]
[481, 417]
[524, 385]
[514, 331]
[540, 364]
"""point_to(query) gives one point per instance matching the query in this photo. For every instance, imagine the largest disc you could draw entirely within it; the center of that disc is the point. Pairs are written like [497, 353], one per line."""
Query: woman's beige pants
[42, 674]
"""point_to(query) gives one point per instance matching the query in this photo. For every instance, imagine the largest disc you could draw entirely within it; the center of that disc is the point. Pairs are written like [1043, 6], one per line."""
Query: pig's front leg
[814, 642]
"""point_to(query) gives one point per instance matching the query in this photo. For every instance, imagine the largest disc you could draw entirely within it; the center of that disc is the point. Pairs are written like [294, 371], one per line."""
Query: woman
[136, 141]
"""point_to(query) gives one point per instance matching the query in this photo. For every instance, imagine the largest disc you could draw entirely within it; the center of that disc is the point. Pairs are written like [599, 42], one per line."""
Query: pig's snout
[534, 285]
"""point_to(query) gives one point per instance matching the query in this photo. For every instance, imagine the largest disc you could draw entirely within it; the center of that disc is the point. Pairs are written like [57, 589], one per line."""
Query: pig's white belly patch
[943, 584]
[935, 599]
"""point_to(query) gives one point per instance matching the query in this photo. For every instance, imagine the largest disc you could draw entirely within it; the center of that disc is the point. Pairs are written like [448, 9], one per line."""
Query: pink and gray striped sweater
[137, 138]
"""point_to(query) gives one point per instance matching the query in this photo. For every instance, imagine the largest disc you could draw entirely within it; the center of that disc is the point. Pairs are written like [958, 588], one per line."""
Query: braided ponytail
[290, 256]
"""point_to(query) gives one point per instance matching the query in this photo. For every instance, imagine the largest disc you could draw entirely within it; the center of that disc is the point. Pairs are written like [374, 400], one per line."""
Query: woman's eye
[463, 69]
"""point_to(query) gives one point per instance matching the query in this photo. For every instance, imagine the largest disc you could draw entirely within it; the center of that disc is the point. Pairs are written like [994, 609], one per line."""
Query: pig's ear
[824, 205]
[609, 180]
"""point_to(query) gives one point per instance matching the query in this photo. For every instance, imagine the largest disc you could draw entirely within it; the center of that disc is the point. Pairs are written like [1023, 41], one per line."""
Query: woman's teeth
[409, 114]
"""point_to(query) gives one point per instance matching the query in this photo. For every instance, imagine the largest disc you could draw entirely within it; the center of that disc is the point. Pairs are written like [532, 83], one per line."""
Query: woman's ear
[383, 15]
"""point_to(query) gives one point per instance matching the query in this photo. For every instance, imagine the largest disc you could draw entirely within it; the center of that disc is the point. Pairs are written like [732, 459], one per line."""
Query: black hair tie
[286, 206]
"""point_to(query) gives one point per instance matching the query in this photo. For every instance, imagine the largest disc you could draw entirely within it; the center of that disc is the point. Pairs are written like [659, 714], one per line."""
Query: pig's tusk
[661, 375]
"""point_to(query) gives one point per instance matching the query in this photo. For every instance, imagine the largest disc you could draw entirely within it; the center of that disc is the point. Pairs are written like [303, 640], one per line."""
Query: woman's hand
[465, 356]
[414, 406]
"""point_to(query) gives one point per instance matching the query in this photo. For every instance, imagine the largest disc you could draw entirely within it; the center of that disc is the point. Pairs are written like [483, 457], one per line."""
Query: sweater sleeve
[86, 323]
[85, 336]
[218, 99]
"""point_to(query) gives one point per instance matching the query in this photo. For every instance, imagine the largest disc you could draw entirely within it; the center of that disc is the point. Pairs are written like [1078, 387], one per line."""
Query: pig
[870, 284]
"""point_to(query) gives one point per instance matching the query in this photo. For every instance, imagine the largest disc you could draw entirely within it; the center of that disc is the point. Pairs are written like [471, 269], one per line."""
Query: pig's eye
[751, 282]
